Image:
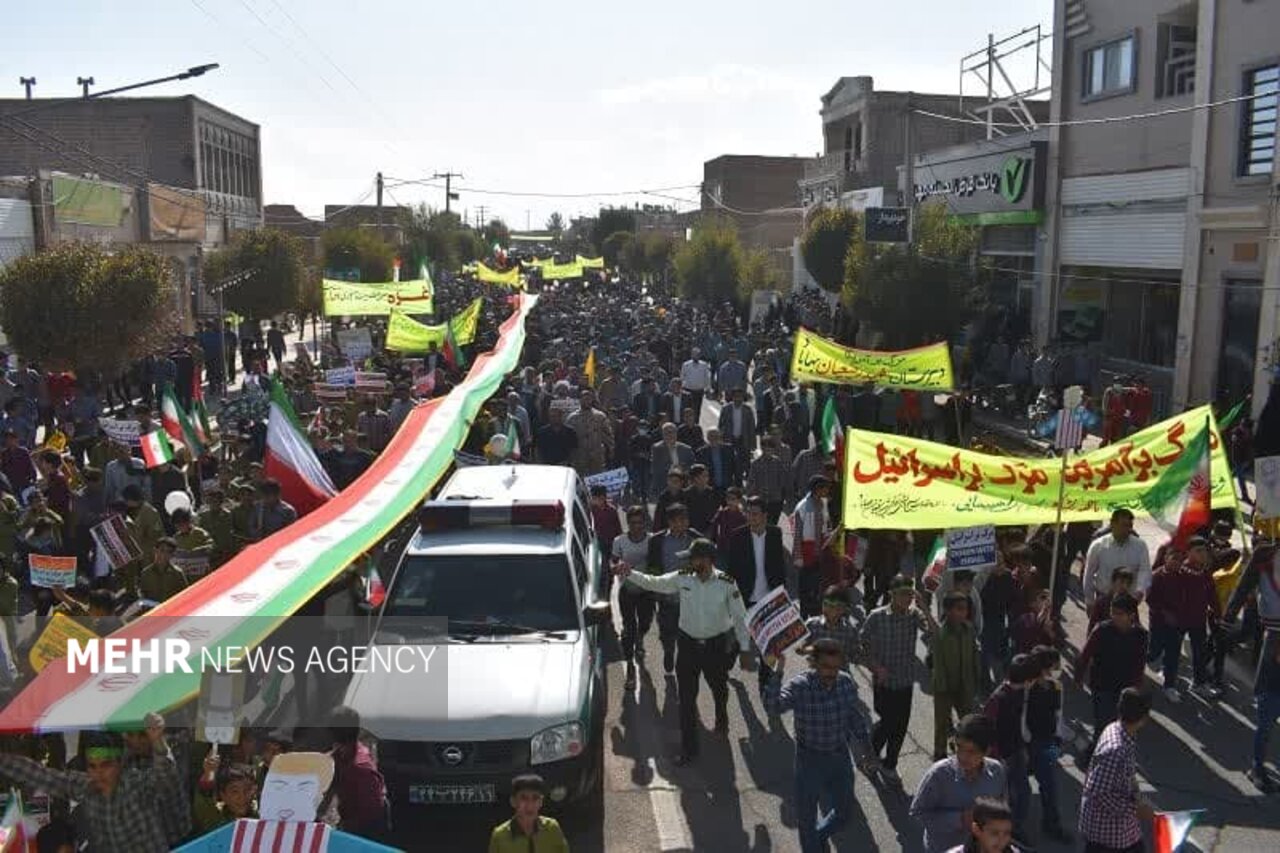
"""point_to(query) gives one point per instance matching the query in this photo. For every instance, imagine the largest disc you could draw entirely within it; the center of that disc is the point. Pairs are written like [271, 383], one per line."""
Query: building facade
[179, 174]
[1163, 205]
[758, 195]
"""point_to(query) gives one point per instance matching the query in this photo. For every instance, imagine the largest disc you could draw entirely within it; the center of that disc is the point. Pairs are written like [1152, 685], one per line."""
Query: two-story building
[1162, 182]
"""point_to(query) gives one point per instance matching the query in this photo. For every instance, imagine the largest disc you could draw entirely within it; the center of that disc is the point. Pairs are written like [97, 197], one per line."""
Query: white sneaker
[1172, 694]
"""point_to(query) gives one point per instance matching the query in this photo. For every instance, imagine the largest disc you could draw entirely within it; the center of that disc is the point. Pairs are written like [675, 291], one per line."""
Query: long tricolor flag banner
[239, 605]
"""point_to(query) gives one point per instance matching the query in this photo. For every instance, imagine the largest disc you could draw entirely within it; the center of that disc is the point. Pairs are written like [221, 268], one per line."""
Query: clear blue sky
[569, 96]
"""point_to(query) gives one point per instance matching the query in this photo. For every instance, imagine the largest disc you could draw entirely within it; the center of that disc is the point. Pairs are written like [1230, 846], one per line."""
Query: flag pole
[1057, 529]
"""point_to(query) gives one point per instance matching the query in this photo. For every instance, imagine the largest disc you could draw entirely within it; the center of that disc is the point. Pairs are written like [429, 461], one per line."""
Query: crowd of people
[619, 377]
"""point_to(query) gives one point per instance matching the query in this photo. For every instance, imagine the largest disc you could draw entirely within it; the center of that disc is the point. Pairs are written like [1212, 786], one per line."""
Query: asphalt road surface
[737, 796]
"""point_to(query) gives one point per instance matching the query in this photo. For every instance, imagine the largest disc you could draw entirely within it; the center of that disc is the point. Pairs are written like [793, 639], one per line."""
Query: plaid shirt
[827, 718]
[770, 478]
[889, 640]
[1108, 814]
[145, 807]
[844, 632]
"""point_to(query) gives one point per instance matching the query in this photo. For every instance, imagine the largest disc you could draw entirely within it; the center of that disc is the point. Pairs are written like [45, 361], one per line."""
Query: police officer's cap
[699, 548]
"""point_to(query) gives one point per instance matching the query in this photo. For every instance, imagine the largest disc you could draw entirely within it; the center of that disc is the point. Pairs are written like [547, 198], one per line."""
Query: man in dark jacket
[721, 461]
[675, 401]
[757, 568]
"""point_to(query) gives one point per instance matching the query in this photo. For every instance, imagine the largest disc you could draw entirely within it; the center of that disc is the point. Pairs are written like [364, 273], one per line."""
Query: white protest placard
[1266, 483]
[775, 624]
[615, 481]
[356, 344]
[371, 382]
[564, 404]
[120, 431]
[221, 696]
[971, 548]
[329, 394]
[113, 538]
[50, 571]
[194, 564]
[340, 376]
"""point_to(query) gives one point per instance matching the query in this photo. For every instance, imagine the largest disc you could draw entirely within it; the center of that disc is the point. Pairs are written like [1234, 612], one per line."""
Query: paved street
[737, 797]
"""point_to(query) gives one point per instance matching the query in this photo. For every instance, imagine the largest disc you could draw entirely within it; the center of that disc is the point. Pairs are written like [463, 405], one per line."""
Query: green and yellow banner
[405, 334]
[896, 482]
[350, 299]
[590, 263]
[816, 359]
[537, 263]
[561, 271]
[510, 278]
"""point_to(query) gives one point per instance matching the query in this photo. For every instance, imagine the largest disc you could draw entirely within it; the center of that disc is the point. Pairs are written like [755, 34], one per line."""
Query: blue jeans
[1268, 714]
[1044, 764]
[1171, 649]
[822, 777]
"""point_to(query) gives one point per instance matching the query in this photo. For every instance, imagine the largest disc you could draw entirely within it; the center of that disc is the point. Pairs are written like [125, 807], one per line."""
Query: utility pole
[909, 169]
[28, 82]
[379, 185]
[84, 83]
[449, 195]
[480, 220]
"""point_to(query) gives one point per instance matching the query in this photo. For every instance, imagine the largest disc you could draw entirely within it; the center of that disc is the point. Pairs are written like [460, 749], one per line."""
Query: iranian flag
[291, 460]
[1170, 829]
[452, 352]
[13, 829]
[832, 433]
[935, 565]
[1179, 500]
[156, 449]
[176, 422]
[513, 439]
[199, 414]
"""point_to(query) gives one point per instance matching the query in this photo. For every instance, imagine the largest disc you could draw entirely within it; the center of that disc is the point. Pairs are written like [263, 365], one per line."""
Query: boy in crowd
[889, 651]
[1183, 603]
[223, 794]
[1043, 713]
[955, 668]
[945, 800]
[673, 494]
[991, 827]
[1006, 707]
[1121, 584]
[528, 830]
[1113, 659]
[838, 621]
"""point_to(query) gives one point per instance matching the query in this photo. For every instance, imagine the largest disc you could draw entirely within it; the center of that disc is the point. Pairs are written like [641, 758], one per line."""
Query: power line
[433, 183]
[1101, 120]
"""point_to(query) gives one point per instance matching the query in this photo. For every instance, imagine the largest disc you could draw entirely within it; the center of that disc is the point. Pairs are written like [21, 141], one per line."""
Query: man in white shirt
[695, 376]
[1118, 548]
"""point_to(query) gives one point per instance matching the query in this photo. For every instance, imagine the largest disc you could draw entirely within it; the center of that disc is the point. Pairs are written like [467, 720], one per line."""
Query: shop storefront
[999, 186]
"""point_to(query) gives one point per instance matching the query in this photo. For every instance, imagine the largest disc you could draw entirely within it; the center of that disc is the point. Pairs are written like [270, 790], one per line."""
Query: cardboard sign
[221, 696]
[566, 405]
[371, 383]
[971, 548]
[113, 538]
[355, 343]
[330, 394]
[775, 624]
[614, 481]
[1266, 482]
[340, 376]
[51, 645]
[193, 564]
[49, 571]
[121, 432]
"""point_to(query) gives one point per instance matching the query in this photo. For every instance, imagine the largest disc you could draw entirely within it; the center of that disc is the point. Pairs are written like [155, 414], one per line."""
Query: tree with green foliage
[497, 232]
[760, 271]
[709, 266]
[360, 248]
[825, 243]
[659, 249]
[616, 248]
[78, 305]
[555, 225]
[916, 294]
[610, 221]
[274, 265]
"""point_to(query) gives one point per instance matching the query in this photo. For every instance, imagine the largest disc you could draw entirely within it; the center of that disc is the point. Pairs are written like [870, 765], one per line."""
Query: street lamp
[85, 82]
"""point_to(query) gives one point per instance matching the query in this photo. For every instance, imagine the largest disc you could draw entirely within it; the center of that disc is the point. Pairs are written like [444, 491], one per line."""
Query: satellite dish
[176, 501]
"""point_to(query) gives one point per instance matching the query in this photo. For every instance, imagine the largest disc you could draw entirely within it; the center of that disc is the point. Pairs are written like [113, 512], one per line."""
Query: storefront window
[1142, 321]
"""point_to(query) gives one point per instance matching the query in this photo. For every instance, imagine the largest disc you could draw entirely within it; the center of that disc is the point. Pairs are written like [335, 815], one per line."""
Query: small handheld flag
[156, 449]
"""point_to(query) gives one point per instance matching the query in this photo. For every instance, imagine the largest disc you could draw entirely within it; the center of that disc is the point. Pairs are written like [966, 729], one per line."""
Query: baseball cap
[698, 548]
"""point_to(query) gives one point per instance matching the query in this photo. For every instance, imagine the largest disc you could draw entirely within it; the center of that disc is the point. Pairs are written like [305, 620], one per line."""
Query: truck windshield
[530, 591]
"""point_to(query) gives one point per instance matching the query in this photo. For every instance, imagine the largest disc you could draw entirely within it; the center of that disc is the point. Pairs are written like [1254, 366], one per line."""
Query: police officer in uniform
[712, 628]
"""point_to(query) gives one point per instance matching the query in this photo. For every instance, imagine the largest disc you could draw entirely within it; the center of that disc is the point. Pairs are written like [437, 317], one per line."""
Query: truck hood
[498, 690]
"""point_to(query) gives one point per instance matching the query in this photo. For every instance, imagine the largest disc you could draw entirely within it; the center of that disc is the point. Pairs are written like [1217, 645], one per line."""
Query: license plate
[452, 795]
